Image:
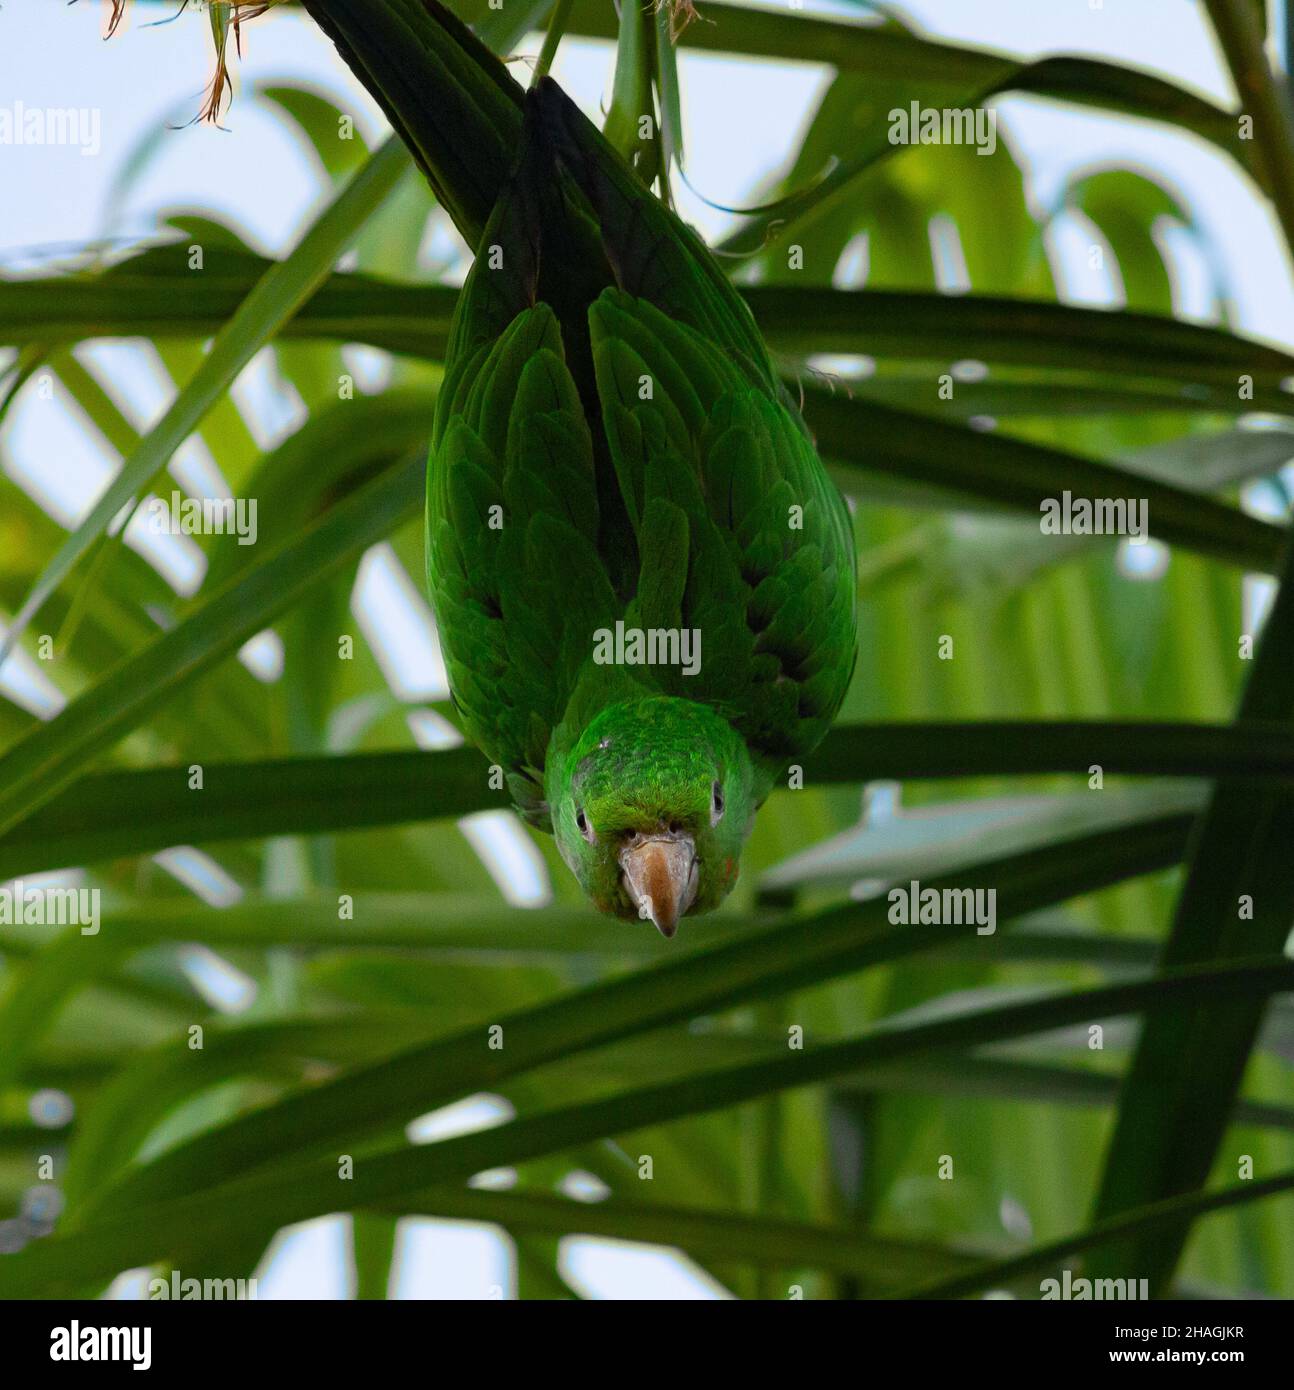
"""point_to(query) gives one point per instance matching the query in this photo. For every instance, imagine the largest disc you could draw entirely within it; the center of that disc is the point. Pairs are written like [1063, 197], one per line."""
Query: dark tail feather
[654, 255]
[446, 95]
[461, 115]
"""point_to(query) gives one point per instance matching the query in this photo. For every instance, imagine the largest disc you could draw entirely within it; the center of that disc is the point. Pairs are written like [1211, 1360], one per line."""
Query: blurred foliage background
[344, 909]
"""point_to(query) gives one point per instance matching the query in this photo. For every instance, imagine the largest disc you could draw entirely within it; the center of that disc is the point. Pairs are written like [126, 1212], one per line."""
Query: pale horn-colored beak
[661, 876]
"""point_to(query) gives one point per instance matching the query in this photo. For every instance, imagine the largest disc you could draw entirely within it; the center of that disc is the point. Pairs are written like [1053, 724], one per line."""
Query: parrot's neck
[599, 688]
[667, 725]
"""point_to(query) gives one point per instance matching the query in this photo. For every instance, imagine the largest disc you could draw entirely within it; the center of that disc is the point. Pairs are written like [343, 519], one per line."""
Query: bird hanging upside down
[643, 577]
[613, 454]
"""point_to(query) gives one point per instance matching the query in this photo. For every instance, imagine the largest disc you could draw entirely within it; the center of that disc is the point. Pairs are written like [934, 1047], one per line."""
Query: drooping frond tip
[225, 16]
[681, 14]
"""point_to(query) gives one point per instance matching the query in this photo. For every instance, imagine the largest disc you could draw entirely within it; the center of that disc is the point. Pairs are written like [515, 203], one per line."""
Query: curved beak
[661, 876]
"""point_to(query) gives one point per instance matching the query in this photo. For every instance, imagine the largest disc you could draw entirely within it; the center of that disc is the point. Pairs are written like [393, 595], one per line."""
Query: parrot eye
[716, 804]
[585, 828]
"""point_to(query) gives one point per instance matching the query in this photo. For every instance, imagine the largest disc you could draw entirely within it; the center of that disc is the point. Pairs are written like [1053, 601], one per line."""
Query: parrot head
[652, 807]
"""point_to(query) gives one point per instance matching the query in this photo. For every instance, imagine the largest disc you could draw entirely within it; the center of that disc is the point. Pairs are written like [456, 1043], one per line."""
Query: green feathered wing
[612, 443]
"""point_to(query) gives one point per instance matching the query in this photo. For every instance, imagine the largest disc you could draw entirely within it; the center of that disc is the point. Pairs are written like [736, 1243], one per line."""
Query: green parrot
[643, 578]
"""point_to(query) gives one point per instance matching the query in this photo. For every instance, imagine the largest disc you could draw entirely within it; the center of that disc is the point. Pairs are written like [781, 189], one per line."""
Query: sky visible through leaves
[743, 119]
